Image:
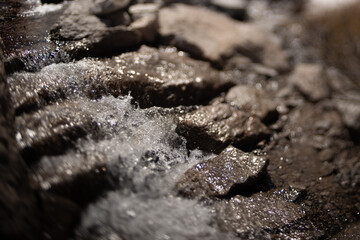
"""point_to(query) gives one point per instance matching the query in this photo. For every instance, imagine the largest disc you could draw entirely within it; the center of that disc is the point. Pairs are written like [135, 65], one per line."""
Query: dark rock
[51, 130]
[350, 232]
[30, 91]
[254, 101]
[165, 78]
[60, 216]
[105, 7]
[214, 127]
[19, 213]
[309, 80]
[231, 171]
[264, 216]
[80, 176]
[209, 35]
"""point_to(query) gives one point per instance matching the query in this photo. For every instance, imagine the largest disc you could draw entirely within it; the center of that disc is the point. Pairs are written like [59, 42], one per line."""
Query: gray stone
[148, 27]
[213, 127]
[232, 170]
[251, 217]
[254, 101]
[210, 35]
[143, 9]
[235, 8]
[165, 78]
[309, 80]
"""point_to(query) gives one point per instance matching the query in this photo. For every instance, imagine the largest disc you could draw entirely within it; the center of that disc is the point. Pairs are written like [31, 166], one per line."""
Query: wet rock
[254, 101]
[76, 27]
[19, 216]
[209, 35]
[233, 171]
[30, 91]
[235, 8]
[165, 78]
[351, 232]
[105, 7]
[348, 106]
[60, 215]
[79, 176]
[264, 216]
[214, 127]
[51, 130]
[310, 81]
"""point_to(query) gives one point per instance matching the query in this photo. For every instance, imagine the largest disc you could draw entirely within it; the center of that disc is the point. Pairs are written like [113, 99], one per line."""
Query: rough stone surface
[232, 171]
[254, 101]
[213, 36]
[235, 8]
[51, 130]
[80, 180]
[309, 79]
[214, 127]
[143, 9]
[166, 78]
[263, 216]
[147, 26]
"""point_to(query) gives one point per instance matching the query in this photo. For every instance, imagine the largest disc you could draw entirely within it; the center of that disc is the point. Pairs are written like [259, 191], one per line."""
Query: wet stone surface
[169, 119]
[213, 127]
[232, 172]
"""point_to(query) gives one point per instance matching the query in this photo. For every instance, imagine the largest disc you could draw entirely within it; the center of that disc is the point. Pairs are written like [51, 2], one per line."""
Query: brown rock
[214, 127]
[210, 35]
[252, 217]
[254, 101]
[51, 130]
[165, 78]
[309, 80]
[231, 171]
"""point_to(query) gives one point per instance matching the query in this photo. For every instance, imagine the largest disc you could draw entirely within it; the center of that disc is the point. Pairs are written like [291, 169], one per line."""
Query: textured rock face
[232, 171]
[254, 101]
[251, 217]
[215, 126]
[166, 78]
[213, 36]
[348, 106]
[309, 79]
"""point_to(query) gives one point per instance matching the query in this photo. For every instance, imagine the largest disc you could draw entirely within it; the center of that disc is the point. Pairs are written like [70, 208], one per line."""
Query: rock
[352, 231]
[254, 101]
[212, 36]
[51, 130]
[19, 212]
[76, 27]
[233, 171]
[147, 26]
[235, 8]
[348, 105]
[213, 127]
[79, 176]
[31, 91]
[143, 9]
[309, 80]
[105, 7]
[165, 78]
[261, 214]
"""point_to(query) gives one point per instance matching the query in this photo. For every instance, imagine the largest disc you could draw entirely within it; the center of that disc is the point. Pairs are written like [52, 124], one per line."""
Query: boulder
[209, 35]
[232, 172]
[214, 127]
[254, 101]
